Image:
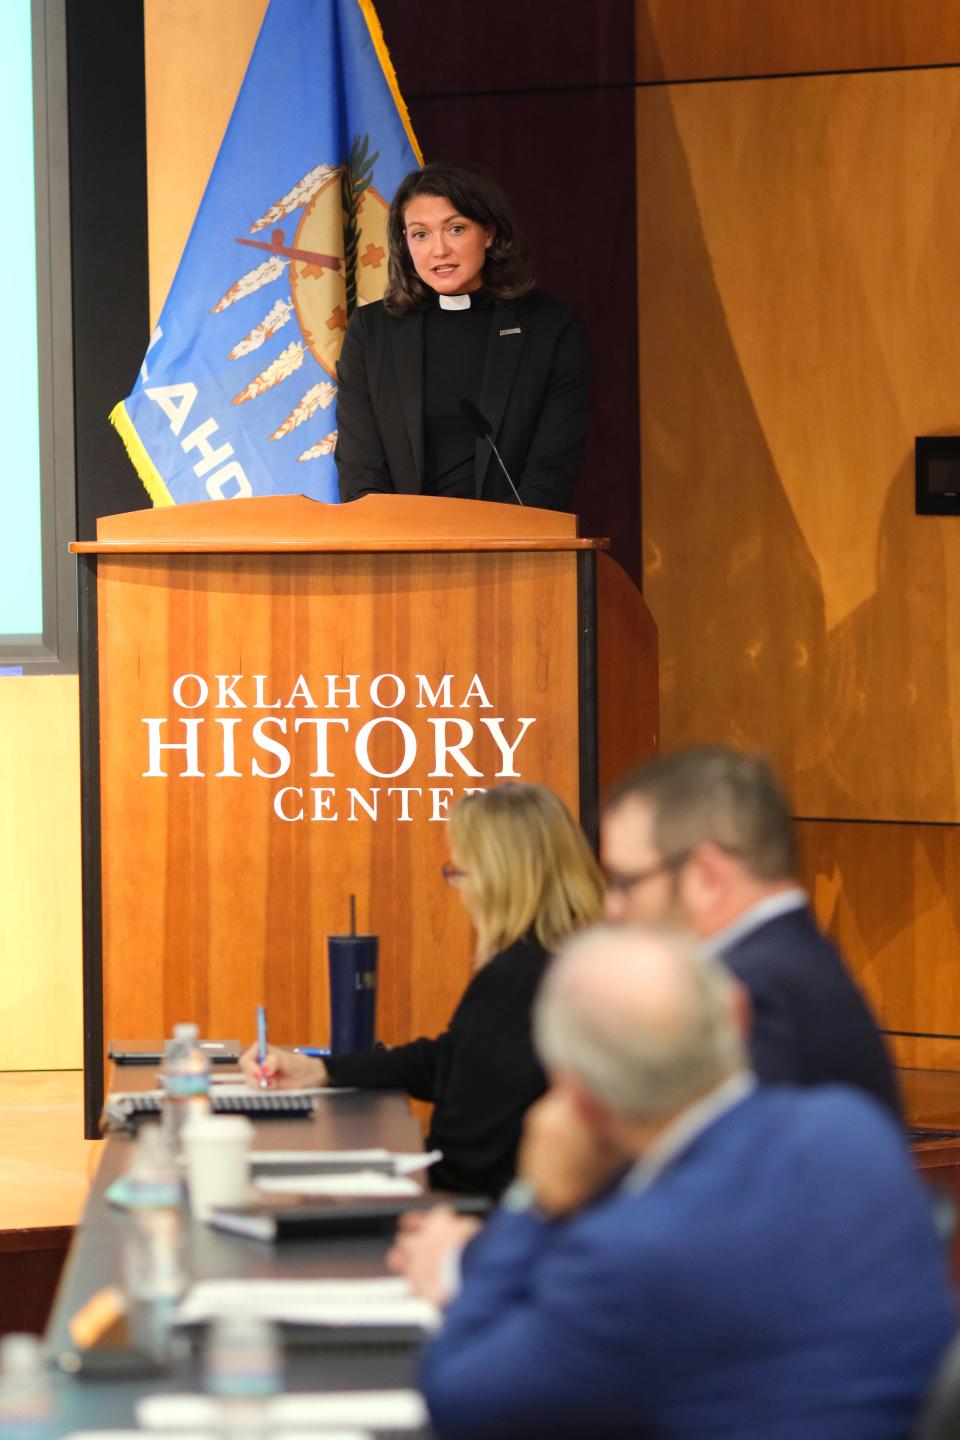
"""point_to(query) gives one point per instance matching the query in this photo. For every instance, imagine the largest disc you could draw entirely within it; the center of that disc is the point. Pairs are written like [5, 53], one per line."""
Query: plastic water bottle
[243, 1368]
[155, 1270]
[153, 1180]
[27, 1406]
[185, 1076]
[155, 1276]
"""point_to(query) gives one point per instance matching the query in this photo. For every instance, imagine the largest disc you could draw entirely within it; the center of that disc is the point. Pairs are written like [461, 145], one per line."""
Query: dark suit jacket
[780, 1280]
[534, 393]
[481, 1073]
[811, 1025]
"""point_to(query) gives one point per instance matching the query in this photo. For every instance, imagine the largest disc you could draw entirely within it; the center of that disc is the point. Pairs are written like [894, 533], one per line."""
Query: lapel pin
[515, 331]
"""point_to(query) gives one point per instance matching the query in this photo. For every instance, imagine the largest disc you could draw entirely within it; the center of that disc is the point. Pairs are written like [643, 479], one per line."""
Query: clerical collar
[477, 299]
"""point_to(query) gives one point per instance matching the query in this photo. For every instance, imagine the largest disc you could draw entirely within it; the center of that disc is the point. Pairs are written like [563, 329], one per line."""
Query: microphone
[482, 428]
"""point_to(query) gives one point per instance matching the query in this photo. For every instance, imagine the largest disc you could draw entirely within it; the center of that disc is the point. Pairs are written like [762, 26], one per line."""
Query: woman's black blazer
[482, 1073]
[534, 392]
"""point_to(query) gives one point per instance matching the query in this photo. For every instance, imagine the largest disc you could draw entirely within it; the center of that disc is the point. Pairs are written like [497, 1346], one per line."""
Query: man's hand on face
[562, 1159]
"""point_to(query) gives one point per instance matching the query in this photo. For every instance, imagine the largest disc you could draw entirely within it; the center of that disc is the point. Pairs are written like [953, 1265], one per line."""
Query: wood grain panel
[629, 699]
[196, 55]
[797, 263]
[210, 901]
[890, 897]
[40, 945]
[708, 39]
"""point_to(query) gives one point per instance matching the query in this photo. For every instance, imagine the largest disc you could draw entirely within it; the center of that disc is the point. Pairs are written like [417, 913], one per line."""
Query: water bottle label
[186, 1087]
[153, 1192]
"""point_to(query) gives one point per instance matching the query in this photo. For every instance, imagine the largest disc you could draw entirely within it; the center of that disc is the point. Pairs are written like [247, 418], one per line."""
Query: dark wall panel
[108, 203]
[460, 49]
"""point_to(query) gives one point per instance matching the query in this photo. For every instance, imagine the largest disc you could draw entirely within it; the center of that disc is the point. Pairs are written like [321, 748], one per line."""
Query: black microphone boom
[483, 430]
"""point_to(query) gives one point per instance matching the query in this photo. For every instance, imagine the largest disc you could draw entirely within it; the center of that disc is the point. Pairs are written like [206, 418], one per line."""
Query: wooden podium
[280, 699]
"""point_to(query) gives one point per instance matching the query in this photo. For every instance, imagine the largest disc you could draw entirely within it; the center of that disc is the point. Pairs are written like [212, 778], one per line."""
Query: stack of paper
[379, 1302]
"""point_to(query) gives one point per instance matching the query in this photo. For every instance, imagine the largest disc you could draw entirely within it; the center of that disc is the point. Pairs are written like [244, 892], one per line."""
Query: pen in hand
[262, 1043]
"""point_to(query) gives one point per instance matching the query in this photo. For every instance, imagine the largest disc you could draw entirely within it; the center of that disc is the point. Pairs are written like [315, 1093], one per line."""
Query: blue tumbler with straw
[352, 964]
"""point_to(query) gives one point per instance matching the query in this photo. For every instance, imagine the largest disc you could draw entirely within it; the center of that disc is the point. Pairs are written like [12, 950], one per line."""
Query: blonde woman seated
[525, 873]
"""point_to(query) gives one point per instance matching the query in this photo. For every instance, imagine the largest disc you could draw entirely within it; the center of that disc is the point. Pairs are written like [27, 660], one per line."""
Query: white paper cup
[218, 1162]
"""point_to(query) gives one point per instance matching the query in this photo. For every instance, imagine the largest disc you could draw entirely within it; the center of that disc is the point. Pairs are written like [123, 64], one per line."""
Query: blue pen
[315, 1053]
[262, 1040]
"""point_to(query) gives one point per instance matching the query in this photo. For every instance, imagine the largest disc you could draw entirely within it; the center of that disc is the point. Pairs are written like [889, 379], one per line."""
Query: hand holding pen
[265, 1068]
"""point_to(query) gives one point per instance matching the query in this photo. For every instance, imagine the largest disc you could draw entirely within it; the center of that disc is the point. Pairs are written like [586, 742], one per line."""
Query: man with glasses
[703, 838]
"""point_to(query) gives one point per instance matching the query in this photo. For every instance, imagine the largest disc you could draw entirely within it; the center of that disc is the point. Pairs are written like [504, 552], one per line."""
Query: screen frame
[55, 650]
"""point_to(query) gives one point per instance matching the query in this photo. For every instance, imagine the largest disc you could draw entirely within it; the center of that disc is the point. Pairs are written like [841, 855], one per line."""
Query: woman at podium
[523, 869]
[462, 351]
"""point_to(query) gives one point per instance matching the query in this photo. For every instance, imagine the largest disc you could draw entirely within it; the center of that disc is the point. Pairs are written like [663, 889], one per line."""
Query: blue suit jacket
[780, 1280]
[811, 1025]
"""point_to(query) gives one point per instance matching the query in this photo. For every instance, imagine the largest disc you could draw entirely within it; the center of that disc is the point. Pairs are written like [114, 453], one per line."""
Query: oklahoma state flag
[235, 392]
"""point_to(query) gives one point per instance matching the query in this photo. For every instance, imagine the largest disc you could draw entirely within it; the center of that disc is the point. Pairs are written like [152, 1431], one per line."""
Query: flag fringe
[389, 74]
[150, 476]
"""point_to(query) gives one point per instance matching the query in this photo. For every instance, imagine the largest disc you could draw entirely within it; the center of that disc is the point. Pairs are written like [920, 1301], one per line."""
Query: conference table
[348, 1120]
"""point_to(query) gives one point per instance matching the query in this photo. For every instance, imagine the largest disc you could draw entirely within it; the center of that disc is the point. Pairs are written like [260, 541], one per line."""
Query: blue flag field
[236, 392]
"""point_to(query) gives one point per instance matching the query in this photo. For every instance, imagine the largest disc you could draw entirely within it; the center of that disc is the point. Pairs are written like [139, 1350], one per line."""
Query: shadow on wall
[738, 593]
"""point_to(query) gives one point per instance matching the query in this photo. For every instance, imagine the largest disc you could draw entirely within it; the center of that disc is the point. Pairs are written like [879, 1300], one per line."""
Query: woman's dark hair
[476, 197]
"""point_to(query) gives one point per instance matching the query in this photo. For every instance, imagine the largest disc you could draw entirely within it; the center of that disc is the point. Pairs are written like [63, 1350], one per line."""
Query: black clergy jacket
[534, 392]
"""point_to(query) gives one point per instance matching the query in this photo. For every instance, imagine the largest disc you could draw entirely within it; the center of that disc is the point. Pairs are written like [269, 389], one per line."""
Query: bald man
[684, 1253]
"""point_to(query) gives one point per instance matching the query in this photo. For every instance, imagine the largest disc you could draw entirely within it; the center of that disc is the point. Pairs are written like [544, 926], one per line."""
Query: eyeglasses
[621, 883]
[452, 875]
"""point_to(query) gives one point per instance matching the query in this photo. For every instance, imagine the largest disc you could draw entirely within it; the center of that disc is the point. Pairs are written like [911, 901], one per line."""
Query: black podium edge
[587, 691]
[91, 877]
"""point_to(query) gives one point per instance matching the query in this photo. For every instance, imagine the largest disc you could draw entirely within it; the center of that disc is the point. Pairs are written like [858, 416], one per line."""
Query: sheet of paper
[184, 1417]
[396, 1162]
[190, 1434]
[318, 1159]
[371, 1183]
[338, 1414]
[381, 1301]
[367, 1409]
[164, 1434]
[417, 1160]
[237, 1088]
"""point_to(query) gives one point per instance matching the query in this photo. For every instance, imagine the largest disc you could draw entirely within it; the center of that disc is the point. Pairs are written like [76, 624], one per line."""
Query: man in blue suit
[685, 1254]
[704, 837]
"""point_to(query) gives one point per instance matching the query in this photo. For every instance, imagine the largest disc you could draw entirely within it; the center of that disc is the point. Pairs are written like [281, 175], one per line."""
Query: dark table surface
[349, 1121]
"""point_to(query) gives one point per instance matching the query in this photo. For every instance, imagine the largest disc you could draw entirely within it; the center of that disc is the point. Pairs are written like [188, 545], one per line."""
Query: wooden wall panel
[797, 272]
[40, 945]
[196, 55]
[709, 39]
[890, 896]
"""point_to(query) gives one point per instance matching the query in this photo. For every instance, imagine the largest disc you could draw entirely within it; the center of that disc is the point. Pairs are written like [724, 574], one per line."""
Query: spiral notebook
[224, 1100]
